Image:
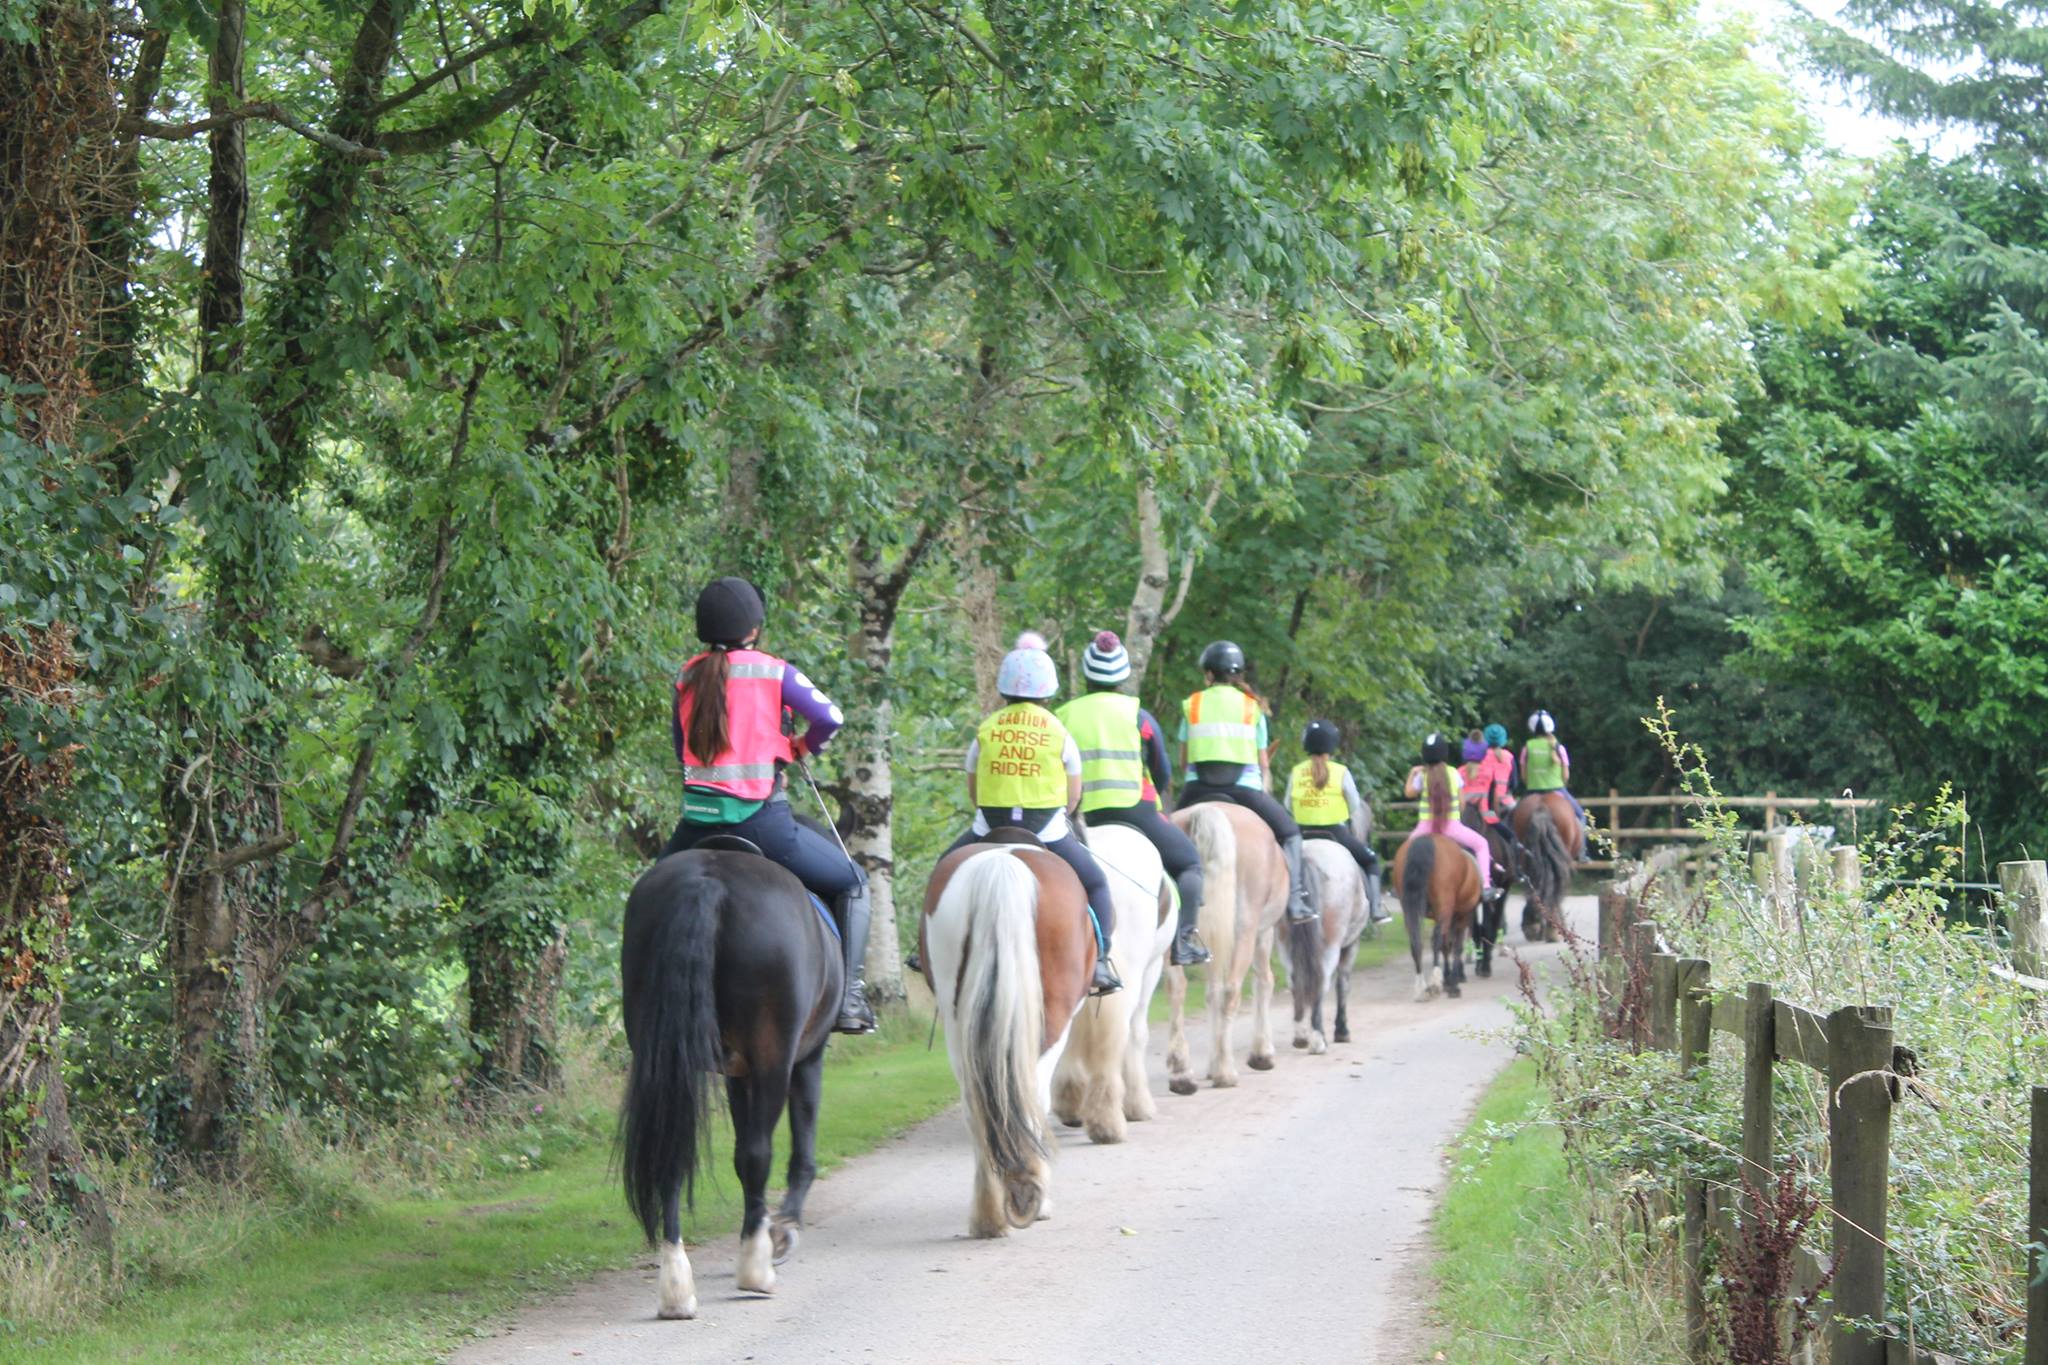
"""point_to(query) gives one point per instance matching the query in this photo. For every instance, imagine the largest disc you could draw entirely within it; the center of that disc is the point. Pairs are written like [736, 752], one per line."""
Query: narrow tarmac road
[1286, 1219]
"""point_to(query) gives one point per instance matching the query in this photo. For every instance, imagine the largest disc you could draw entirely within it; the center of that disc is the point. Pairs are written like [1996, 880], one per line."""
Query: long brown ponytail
[1436, 784]
[708, 735]
[1319, 770]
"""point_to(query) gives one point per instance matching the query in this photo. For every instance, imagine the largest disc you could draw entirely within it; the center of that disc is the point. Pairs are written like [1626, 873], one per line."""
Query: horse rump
[671, 1015]
[1416, 870]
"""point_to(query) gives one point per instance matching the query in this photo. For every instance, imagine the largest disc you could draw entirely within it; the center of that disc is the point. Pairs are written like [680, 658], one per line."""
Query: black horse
[1491, 922]
[728, 968]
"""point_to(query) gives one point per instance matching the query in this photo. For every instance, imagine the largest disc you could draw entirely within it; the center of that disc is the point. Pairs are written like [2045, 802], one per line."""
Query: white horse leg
[1261, 1058]
[1101, 1052]
[1068, 1082]
[985, 1216]
[756, 1272]
[1138, 1104]
[1222, 1022]
[1179, 1066]
[677, 1295]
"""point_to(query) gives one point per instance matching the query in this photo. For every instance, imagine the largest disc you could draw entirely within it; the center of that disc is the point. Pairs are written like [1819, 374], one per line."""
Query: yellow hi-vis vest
[1018, 763]
[1105, 728]
[1312, 805]
[1223, 726]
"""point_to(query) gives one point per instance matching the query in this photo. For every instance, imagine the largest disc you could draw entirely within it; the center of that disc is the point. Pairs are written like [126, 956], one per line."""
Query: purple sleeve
[802, 696]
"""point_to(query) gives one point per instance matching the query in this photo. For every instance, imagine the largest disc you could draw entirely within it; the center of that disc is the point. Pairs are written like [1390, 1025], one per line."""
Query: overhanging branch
[267, 111]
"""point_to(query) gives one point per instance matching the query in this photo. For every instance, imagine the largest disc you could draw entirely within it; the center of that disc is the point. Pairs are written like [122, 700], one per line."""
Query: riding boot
[1105, 981]
[1298, 908]
[1187, 948]
[850, 908]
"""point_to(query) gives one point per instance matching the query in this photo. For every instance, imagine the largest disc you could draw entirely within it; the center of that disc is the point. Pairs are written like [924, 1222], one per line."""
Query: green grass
[409, 1279]
[1525, 1271]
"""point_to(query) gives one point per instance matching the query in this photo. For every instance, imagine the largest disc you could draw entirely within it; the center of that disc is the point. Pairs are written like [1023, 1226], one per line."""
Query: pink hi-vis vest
[753, 719]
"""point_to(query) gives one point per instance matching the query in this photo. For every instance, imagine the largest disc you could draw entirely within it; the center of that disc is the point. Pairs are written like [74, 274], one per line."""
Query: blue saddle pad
[824, 912]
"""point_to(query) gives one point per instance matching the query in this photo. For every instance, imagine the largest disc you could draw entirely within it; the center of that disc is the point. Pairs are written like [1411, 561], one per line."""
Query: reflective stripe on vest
[1474, 781]
[1313, 805]
[1018, 764]
[1223, 726]
[1105, 726]
[1541, 772]
[755, 744]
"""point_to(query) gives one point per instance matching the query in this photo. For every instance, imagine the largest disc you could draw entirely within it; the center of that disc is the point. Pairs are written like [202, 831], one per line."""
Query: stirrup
[1105, 981]
[1188, 949]
[1309, 915]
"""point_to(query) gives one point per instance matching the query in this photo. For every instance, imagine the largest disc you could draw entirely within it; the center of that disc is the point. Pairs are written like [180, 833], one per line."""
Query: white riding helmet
[1028, 671]
[1540, 723]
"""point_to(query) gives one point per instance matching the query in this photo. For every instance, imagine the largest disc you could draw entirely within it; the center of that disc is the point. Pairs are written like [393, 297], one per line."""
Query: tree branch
[518, 37]
[261, 850]
[269, 111]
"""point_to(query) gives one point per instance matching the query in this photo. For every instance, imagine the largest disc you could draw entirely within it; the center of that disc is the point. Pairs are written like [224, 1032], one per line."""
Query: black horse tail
[672, 1022]
[1415, 877]
[1549, 868]
[1305, 940]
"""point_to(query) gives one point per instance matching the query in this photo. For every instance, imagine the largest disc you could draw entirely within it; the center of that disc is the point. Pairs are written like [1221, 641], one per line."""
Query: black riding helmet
[1320, 737]
[1223, 658]
[728, 610]
[1436, 749]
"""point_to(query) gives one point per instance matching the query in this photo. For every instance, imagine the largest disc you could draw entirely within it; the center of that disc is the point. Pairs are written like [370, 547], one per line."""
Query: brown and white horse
[1100, 1081]
[1244, 894]
[1551, 833]
[1319, 952]
[1008, 950]
[1438, 880]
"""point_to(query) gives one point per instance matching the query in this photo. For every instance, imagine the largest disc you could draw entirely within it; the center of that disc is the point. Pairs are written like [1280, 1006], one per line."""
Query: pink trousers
[1471, 840]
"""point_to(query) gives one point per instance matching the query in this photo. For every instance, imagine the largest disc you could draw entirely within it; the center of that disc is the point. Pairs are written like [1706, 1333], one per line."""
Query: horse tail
[1216, 845]
[1305, 937]
[1549, 869]
[1415, 874]
[999, 1019]
[672, 1022]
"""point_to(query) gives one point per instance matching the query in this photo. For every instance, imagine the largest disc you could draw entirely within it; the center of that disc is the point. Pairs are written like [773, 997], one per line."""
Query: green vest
[1105, 728]
[1313, 805]
[1223, 726]
[1018, 763]
[1541, 770]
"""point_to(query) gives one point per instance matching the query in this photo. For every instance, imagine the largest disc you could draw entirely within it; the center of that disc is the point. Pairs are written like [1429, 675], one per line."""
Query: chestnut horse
[728, 968]
[1438, 879]
[1319, 952]
[1100, 1081]
[1551, 833]
[1244, 894]
[1008, 949]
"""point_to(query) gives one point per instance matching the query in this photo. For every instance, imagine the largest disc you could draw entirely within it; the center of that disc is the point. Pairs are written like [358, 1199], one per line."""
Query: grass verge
[1528, 1268]
[409, 1278]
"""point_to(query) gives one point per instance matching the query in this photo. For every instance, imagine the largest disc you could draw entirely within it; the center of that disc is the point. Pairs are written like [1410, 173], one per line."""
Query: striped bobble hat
[1106, 660]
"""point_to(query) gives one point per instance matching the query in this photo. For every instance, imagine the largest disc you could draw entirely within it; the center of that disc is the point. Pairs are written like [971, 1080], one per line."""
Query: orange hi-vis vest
[755, 744]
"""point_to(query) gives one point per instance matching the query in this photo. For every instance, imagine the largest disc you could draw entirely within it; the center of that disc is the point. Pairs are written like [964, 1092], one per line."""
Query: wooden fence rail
[1854, 1050]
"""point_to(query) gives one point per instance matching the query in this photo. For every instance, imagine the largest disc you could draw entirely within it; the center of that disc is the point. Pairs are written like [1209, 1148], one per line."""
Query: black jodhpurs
[1367, 860]
[813, 857]
[1176, 850]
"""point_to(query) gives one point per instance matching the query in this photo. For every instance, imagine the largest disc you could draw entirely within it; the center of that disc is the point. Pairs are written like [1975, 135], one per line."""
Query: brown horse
[1493, 900]
[1553, 839]
[1244, 893]
[1007, 948]
[1439, 880]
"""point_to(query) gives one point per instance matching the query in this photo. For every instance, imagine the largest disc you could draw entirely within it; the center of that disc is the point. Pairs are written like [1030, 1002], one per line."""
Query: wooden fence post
[1695, 1047]
[1859, 1166]
[2025, 886]
[1611, 921]
[1664, 1002]
[1759, 1052]
[1770, 810]
[2037, 1231]
[1848, 869]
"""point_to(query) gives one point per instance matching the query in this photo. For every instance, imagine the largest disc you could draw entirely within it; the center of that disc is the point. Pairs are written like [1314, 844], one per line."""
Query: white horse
[1008, 952]
[1320, 952]
[1101, 1076]
[1244, 894]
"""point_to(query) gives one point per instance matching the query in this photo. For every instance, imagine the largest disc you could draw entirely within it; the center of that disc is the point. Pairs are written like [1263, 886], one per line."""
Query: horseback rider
[1546, 767]
[1485, 777]
[727, 722]
[1436, 782]
[1223, 746]
[1123, 770]
[1323, 798]
[1024, 772]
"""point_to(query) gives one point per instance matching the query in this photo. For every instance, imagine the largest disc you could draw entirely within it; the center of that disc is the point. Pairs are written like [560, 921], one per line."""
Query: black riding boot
[1105, 981]
[851, 910]
[1187, 950]
[1298, 908]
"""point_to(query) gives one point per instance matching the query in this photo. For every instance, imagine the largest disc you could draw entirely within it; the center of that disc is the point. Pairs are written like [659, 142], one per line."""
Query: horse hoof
[1182, 1085]
[1223, 1082]
[678, 1312]
[1071, 1122]
[1453, 990]
[1258, 1062]
[783, 1235]
[1301, 1042]
[1342, 1035]
[756, 1270]
[1318, 1047]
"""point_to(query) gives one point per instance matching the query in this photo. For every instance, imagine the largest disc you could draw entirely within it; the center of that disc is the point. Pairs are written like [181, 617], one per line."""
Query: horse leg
[1341, 979]
[806, 1083]
[1414, 919]
[1068, 1083]
[1138, 1105]
[677, 1293]
[756, 1103]
[1179, 1066]
[1223, 995]
[1262, 1004]
[1099, 1051]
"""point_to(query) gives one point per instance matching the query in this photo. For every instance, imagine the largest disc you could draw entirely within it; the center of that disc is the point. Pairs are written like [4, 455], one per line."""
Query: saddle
[734, 843]
[1007, 834]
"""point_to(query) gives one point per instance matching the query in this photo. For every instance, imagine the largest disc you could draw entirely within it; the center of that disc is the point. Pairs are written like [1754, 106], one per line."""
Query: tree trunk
[57, 115]
[512, 995]
[1151, 613]
[869, 784]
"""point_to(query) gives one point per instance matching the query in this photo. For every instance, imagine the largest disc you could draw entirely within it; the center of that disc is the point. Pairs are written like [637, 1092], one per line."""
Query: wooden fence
[1865, 1068]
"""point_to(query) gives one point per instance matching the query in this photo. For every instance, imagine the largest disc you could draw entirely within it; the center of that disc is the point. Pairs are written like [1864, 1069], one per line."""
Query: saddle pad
[824, 912]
